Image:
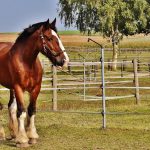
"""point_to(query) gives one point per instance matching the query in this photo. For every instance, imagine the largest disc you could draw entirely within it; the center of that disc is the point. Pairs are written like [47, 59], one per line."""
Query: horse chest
[28, 79]
[27, 76]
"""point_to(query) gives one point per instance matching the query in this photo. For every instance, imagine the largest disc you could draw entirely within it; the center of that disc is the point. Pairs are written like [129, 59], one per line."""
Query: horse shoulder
[39, 67]
[38, 71]
[4, 48]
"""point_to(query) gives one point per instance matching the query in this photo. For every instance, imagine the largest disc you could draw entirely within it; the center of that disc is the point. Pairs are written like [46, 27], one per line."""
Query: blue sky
[15, 15]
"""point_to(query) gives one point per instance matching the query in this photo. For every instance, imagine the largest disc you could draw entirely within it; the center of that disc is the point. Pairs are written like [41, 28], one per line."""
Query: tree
[112, 18]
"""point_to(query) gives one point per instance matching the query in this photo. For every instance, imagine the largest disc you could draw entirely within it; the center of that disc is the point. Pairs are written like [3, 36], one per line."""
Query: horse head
[52, 46]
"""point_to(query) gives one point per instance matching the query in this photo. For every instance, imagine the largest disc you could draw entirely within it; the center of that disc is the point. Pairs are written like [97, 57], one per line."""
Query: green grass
[81, 131]
[9, 33]
[69, 32]
[71, 131]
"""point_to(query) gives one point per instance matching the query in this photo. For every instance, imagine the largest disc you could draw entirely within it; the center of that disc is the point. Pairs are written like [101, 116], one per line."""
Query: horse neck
[28, 49]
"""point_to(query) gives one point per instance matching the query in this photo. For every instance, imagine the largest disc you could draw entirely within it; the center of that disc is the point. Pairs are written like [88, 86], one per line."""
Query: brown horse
[5, 47]
[20, 71]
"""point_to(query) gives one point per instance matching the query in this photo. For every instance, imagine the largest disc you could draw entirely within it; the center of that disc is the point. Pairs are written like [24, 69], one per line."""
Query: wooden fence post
[95, 70]
[69, 69]
[109, 65]
[149, 68]
[54, 85]
[88, 72]
[84, 78]
[138, 65]
[136, 81]
[121, 69]
[124, 65]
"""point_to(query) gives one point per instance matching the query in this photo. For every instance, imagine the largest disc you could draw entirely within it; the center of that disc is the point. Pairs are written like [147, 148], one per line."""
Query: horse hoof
[32, 141]
[10, 138]
[22, 145]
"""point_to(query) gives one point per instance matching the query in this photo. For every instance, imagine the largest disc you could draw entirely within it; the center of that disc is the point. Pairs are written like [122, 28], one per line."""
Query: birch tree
[111, 18]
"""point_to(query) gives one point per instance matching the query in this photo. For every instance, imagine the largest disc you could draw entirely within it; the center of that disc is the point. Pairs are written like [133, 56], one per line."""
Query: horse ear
[47, 21]
[53, 24]
[47, 24]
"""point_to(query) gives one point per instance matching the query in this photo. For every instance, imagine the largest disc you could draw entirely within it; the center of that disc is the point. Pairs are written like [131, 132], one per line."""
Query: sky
[15, 15]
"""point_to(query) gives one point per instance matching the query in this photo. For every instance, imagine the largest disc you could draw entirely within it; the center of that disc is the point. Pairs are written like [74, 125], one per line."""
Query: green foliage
[75, 12]
[112, 18]
[127, 17]
[69, 32]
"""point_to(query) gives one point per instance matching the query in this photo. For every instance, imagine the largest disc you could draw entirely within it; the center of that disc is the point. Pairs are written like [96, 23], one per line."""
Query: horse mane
[30, 30]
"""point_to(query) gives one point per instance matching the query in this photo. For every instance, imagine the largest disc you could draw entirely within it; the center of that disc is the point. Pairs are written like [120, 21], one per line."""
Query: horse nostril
[59, 62]
[62, 62]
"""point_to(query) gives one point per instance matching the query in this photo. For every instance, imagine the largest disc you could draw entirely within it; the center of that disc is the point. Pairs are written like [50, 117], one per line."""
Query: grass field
[83, 131]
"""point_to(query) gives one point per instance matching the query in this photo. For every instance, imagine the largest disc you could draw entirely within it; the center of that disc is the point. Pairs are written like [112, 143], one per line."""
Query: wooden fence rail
[135, 80]
[85, 80]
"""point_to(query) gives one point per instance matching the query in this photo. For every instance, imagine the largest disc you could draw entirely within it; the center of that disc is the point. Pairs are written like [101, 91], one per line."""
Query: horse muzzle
[65, 63]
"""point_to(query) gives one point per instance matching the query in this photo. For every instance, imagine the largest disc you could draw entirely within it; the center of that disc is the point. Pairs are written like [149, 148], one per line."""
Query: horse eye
[50, 39]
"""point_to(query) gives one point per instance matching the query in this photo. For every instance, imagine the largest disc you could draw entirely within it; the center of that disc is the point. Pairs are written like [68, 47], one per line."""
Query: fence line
[135, 77]
[124, 87]
[57, 86]
[94, 98]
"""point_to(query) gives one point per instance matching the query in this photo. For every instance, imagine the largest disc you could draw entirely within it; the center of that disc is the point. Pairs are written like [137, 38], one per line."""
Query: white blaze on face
[62, 48]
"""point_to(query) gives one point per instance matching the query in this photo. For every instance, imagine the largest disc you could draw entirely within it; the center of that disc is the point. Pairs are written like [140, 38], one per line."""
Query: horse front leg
[31, 129]
[13, 121]
[21, 138]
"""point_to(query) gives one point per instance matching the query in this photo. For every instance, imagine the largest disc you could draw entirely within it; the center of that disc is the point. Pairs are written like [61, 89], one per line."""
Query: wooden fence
[89, 80]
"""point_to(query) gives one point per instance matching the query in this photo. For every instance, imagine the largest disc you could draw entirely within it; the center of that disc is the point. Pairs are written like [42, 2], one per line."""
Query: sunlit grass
[71, 131]
[74, 38]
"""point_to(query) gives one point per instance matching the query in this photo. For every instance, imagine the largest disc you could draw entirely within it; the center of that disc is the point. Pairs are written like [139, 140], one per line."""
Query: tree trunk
[115, 56]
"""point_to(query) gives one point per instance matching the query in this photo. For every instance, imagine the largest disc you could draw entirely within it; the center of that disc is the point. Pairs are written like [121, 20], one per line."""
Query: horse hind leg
[13, 121]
